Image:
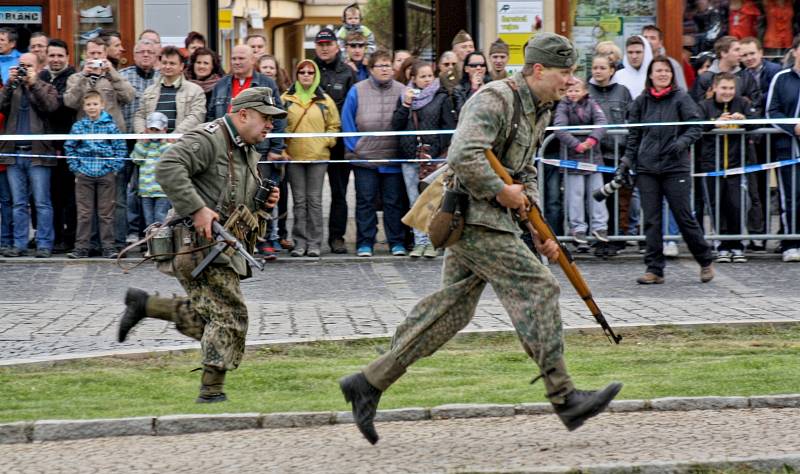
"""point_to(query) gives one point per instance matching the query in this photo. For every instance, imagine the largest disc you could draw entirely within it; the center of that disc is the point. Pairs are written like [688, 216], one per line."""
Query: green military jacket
[195, 173]
[485, 122]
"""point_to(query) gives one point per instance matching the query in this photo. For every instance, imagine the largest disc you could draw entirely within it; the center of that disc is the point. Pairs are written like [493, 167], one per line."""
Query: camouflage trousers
[525, 287]
[214, 313]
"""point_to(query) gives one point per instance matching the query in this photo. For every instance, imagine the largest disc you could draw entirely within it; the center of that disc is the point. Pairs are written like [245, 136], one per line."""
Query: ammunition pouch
[447, 223]
[245, 226]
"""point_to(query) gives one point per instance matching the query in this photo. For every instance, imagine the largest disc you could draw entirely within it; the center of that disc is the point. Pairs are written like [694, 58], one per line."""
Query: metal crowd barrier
[711, 204]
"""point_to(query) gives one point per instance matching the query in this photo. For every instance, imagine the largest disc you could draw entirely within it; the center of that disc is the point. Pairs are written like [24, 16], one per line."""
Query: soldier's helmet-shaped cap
[260, 99]
[550, 50]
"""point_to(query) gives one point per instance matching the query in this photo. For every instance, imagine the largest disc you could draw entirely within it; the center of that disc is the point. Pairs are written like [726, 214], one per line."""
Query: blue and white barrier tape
[577, 165]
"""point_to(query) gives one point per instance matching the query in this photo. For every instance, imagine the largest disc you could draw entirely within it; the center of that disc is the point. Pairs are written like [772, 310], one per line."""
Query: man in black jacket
[62, 181]
[337, 79]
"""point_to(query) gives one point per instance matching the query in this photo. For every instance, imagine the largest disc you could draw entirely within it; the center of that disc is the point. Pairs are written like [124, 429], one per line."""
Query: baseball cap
[157, 120]
[260, 99]
[325, 35]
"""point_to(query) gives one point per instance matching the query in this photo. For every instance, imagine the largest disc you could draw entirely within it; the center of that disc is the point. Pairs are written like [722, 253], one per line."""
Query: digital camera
[22, 74]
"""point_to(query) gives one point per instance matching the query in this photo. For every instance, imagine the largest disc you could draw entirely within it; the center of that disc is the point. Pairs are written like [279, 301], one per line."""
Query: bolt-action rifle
[536, 224]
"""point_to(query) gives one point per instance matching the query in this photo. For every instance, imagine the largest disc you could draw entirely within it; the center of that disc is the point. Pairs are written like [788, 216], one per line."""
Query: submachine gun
[535, 222]
[225, 240]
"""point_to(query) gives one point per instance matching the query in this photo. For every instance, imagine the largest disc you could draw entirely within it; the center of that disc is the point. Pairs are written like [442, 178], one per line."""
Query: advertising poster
[516, 21]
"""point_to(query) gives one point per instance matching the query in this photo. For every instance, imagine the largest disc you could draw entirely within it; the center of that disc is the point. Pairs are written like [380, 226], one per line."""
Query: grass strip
[652, 362]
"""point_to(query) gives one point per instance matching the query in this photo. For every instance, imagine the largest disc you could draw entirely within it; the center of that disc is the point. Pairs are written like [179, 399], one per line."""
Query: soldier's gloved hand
[203, 220]
[512, 196]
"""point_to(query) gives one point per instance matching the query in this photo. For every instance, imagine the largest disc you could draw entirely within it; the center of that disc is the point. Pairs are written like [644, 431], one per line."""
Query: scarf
[661, 94]
[425, 97]
[208, 83]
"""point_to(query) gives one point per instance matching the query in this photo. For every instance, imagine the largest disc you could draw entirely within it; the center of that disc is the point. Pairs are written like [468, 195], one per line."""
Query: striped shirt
[167, 104]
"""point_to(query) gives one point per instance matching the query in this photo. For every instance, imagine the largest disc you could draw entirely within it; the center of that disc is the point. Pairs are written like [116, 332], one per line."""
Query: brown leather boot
[212, 381]
[706, 273]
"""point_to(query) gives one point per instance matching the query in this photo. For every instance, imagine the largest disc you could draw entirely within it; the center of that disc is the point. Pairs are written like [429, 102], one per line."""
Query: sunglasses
[305, 73]
[357, 45]
[476, 65]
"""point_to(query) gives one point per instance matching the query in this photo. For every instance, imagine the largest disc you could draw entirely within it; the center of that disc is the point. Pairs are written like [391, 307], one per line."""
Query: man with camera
[209, 175]
[99, 74]
[25, 101]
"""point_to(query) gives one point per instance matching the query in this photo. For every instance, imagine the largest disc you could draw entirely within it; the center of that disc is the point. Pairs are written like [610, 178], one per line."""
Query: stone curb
[60, 430]
[755, 464]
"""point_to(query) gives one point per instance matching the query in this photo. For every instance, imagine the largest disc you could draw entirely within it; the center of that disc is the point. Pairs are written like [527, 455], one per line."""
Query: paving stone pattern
[65, 308]
[533, 443]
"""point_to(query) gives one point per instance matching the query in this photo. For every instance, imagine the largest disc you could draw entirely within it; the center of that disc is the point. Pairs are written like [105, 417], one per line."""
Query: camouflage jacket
[485, 122]
[194, 172]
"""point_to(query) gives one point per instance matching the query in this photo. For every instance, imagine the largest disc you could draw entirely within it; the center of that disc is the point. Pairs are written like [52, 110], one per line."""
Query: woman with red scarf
[660, 156]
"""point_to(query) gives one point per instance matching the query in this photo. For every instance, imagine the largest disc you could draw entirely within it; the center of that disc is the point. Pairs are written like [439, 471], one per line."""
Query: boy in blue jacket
[95, 164]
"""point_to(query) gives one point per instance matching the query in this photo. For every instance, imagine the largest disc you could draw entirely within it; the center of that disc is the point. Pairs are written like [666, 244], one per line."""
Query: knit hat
[550, 50]
[461, 37]
[498, 47]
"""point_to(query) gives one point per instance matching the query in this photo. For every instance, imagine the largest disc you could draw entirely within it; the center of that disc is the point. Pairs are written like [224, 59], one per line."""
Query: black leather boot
[135, 311]
[364, 398]
[580, 405]
[211, 386]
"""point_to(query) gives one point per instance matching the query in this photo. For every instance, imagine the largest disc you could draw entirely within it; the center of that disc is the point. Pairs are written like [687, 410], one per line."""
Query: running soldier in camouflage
[490, 249]
[207, 174]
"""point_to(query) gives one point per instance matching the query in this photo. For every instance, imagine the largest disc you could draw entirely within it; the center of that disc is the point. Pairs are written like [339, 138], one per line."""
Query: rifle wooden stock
[535, 221]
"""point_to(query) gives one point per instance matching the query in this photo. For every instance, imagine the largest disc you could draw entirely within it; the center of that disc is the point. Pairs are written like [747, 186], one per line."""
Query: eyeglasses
[448, 64]
[476, 64]
[357, 45]
[382, 66]
[305, 73]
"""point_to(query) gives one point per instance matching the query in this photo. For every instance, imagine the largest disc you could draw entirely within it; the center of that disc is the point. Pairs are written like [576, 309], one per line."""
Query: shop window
[593, 21]
[90, 17]
[774, 22]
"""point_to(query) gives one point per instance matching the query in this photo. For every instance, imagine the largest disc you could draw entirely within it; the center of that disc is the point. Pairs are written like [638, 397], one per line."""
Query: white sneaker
[98, 11]
[671, 249]
[131, 238]
[738, 256]
[791, 255]
[724, 256]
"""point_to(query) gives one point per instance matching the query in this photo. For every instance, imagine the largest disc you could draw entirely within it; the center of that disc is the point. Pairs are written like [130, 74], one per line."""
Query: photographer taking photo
[25, 100]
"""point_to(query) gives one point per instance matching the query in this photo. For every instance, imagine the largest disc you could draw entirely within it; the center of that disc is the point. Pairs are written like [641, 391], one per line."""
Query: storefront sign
[516, 22]
[21, 15]
[225, 19]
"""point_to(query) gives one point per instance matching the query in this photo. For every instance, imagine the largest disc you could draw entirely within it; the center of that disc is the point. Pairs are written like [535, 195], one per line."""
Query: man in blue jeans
[30, 99]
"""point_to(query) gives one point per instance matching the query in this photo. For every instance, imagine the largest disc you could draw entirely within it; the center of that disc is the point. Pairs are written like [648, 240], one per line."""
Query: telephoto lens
[603, 192]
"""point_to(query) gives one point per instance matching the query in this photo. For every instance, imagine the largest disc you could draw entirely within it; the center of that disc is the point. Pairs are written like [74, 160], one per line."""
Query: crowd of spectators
[103, 194]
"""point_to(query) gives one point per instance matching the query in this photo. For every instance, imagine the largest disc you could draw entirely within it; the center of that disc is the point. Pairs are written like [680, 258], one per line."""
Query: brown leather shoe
[707, 273]
[650, 279]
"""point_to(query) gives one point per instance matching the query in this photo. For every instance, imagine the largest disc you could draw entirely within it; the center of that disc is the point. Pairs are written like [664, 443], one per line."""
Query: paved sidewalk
[66, 309]
[614, 442]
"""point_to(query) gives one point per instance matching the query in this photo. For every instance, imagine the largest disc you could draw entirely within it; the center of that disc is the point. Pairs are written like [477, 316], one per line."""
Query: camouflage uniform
[490, 249]
[194, 173]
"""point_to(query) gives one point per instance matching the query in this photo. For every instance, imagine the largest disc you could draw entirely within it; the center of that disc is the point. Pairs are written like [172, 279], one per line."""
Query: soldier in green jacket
[490, 250]
[207, 174]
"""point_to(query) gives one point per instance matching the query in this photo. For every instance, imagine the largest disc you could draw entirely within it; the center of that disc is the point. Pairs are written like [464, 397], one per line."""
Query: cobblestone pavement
[518, 444]
[62, 308]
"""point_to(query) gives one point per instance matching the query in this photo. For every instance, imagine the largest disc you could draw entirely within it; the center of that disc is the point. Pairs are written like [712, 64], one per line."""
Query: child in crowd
[95, 163]
[146, 155]
[352, 23]
[726, 104]
[577, 108]
[614, 99]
